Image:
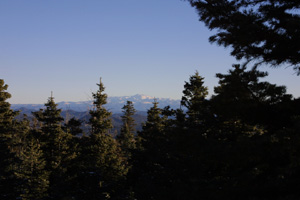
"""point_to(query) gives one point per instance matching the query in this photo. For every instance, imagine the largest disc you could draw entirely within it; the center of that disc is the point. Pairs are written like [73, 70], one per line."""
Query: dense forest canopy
[242, 143]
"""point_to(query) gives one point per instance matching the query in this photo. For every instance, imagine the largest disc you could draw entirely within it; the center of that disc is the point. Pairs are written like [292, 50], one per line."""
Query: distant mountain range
[114, 104]
[79, 110]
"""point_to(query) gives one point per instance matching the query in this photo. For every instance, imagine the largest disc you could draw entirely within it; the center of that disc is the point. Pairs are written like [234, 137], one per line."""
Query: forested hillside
[242, 143]
[83, 117]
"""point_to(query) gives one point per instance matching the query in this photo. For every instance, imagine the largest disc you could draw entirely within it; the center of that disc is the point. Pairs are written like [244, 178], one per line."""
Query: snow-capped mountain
[114, 104]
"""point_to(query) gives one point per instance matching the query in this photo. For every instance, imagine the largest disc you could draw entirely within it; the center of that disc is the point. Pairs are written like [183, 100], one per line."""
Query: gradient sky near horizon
[136, 46]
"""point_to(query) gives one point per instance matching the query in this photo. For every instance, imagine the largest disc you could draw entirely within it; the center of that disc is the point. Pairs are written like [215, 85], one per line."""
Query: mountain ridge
[114, 104]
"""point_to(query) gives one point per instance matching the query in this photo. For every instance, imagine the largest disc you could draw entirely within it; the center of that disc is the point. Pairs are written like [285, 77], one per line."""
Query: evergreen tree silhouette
[7, 156]
[103, 166]
[56, 147]
[126, 137]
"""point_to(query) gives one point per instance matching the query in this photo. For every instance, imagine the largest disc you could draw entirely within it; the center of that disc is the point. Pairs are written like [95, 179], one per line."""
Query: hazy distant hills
[79, 110]
[114, 104]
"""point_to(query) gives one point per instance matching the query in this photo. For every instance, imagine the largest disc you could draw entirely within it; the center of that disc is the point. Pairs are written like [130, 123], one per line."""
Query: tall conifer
[242, 96]
[55, 144]
[103, 165]
[126, 137]
[154, 123]
[100, 120]
[149, 168]
[193, 99]
[31, 170]
[7, 156]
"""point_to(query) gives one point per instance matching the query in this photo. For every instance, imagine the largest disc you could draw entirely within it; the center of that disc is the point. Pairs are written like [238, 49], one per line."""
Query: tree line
[241, 143]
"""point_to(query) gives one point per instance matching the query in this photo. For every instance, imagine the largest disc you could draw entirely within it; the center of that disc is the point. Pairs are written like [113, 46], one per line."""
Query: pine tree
[73, 126]
[242, 96]
[149, 171]
[153, 130]
[100, 118]
[154, 123]
[31, 170]
[102, 163]
[126, 137]
[28, 167]
[55, 145]
[6, 114]
[7, 156]
[193, 99]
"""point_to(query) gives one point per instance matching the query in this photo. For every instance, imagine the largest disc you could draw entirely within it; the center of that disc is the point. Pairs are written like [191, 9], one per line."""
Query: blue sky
[136, 46]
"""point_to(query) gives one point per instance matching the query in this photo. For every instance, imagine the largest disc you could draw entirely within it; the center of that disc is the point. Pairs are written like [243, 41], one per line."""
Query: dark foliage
[263, 30]
[242, 143]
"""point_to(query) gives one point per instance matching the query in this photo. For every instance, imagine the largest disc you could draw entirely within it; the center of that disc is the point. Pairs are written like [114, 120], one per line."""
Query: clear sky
[136, 46]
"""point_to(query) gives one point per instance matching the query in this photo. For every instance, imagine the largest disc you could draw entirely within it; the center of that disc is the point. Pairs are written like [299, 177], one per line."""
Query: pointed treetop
[194, 91]
[100, 117]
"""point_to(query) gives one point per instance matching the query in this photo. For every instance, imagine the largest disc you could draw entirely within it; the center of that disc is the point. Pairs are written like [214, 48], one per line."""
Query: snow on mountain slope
[114, 104]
